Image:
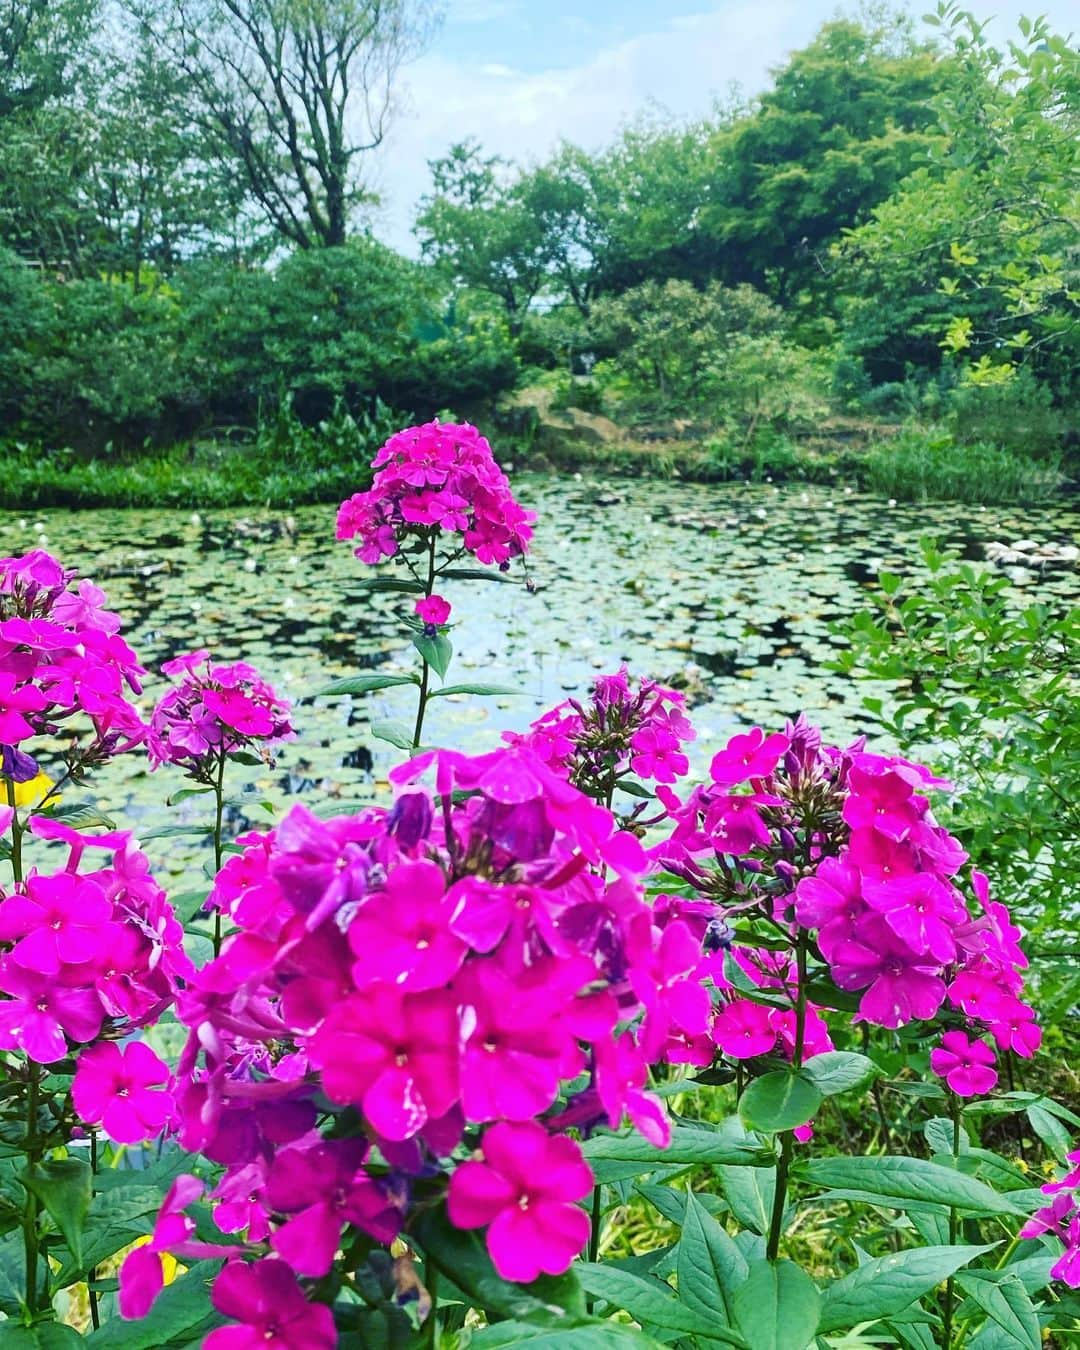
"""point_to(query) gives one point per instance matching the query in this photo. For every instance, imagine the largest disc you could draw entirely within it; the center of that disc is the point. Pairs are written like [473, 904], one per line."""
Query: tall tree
[293, 93]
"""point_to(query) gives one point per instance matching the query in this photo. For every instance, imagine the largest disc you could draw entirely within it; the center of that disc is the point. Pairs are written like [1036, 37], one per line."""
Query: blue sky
[522, 74]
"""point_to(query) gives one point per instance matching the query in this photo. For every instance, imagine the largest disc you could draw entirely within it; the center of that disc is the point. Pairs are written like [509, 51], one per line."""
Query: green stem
[95, 1316]
[947, 1316]
[431, 1325]
[30, 1213]
[597, 1219]
[425, 674]
[787, 1144]
[219, 812]
[16, 831]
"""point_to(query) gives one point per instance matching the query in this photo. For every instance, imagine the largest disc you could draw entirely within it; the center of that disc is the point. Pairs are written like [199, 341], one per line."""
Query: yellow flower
[33, 792]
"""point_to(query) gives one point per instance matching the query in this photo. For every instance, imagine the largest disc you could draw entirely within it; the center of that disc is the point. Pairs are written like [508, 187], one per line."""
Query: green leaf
[182, 1315]
[13, 1273]
[779, 1101]
[777, 1306]
[577, 1334]
[908, 1179]
[404, 585]
[749, 1192]
[629, 1155]
[63, 1185]
[364, 684]
[79, 814]
[709, 1265]
[473, 574]
[839, 1071]
[464, 1257]
[887, 1285]
[44, 1336]
[646, 1302]
[1050, 1130]
[1006, 1303]
[174, 831]
[436, 651]
[182, 794]
[484, 690]
[395, 733]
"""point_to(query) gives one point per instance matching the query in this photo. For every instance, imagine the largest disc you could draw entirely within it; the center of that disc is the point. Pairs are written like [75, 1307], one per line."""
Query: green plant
[918, 465]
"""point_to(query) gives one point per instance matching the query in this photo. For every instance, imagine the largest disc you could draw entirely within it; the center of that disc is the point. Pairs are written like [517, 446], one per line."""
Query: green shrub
[920, 465]
[1018, 415]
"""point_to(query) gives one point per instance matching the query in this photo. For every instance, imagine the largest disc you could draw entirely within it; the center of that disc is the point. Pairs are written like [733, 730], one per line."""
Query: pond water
[730, 588]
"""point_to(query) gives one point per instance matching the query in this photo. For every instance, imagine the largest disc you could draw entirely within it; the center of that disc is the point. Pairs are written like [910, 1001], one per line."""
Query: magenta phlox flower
[42, 1011]
[433, 610]
[403, 934]
[525, 1192]
[657, 754]
[214, 710]
[830, 900]
[621, 1075]
[321, 865]
[734, 824]
[922, 911]
[15, 702]
[241, 1201]
[438, 477]
[966, 1066]
[900, 985]
[125, 1091]
[516, 1048]
[266, 1301]
[325, 1187]
[393, 1054]
[61, 920]
[743, 1029]
[670, 988]
[746, 756]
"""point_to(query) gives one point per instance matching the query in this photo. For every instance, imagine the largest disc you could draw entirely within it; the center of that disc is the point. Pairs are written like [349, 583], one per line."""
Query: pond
[730, 590]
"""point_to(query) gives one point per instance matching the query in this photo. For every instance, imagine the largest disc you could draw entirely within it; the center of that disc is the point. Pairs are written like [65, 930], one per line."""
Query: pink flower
[402, 935]
[753, 755]
[120, 1090]
[393, 1054]
[325, 1187]
[830, 901]
[433, 610]
[265, 1298]
[657, 754]
[900, 984]
[965, 1065]
[62, 920]
[743, 1029]
[14, 702]
[525, 1189]
[42, 1012]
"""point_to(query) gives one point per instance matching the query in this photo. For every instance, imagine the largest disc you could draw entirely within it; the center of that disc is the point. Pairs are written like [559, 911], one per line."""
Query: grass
[918, 467]
[186, 477]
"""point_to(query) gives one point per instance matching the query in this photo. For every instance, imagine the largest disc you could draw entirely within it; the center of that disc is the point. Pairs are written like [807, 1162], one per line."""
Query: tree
[39, 45]
[847, 119]
[480, 228]
[979, 246]
[292, 93]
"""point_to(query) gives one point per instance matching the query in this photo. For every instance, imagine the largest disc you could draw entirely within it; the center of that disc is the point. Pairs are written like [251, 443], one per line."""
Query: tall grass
[917, 466]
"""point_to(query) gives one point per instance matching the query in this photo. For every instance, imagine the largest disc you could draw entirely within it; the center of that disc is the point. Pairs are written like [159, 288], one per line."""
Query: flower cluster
[437, 478]
[61, 656]
[626, 729]
[842, 845]
[87, 953]
[1061, 1218]
[437, 974]
[215, 710]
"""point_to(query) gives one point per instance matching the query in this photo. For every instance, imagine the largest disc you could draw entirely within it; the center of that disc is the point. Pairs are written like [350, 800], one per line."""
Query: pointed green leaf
[646, 1302]
[839, 1071]
[63, 1185]
[485, 690]
[779, 1101]
[436, 651]
[887, 1285]
[777, 1306]
[709, 1266]
[908, 1179]
[394, 733]
[1006, 1303]
[364, 684]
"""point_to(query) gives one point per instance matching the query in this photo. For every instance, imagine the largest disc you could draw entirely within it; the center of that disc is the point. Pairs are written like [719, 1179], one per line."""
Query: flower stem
[425, 673]
[219, 812]
[787, 1144]
[947, 1315]
[95, 1316]
[16, 831]
[30, 1213]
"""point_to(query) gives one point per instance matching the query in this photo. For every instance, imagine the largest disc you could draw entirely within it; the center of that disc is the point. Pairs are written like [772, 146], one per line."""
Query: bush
[920, 465]
[1018, 415]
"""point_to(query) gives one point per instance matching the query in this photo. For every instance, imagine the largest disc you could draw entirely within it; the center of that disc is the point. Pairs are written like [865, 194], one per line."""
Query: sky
[521, 75]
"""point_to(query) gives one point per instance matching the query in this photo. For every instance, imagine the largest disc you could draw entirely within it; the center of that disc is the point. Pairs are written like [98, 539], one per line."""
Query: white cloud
[682, 66]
